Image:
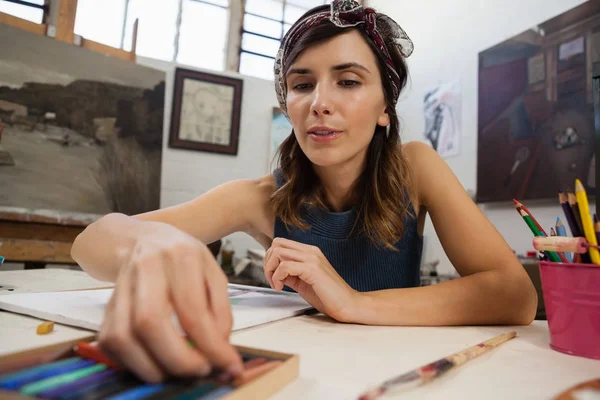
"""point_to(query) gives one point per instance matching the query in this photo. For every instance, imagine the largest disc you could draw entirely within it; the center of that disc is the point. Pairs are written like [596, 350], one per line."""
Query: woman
[342, 218]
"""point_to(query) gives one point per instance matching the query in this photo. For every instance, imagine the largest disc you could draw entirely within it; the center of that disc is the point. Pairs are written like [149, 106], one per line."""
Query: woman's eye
[349, 83]
[302, 86]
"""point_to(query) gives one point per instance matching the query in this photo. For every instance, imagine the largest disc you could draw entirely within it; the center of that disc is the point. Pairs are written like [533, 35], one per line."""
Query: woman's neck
[338, 182]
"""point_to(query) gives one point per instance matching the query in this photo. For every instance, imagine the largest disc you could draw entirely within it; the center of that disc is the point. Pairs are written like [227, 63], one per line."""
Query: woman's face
[335, 99]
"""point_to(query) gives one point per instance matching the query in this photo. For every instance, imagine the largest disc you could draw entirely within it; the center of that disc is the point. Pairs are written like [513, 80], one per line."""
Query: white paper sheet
[85, 308]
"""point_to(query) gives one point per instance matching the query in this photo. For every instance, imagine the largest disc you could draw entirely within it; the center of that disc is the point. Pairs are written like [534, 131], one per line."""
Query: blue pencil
[77, 385]
[561, 231]
[138, 392]
[18, 379]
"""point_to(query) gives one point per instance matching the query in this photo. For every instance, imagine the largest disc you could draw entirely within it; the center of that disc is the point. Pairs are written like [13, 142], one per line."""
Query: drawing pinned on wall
[442, 118]
[206, 112]
[280, 129]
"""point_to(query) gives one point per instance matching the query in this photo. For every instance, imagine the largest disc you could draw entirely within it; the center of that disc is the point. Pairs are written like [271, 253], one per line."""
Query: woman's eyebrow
[339, 67]
[348, 65]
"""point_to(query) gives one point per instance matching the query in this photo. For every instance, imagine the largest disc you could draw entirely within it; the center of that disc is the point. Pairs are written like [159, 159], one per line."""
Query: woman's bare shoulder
[263, 216]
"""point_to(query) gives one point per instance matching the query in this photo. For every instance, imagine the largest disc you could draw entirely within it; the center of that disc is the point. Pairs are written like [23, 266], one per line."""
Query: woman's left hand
[305, 269]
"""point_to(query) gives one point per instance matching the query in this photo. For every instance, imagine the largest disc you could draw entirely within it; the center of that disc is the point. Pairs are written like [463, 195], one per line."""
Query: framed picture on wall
[206, 112]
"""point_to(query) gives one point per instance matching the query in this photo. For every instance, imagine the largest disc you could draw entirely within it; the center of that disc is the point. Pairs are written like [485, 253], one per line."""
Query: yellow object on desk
[586, 220]
[45, 327]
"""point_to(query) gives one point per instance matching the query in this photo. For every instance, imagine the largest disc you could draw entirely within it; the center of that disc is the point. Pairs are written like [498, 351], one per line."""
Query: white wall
[187, 174]
[448, 35]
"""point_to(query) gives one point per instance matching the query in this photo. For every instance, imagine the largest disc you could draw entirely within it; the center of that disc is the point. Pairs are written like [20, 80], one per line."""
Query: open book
[250, 306]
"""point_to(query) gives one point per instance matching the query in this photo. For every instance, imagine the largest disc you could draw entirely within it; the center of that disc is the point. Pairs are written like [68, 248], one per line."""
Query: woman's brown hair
[384, 188]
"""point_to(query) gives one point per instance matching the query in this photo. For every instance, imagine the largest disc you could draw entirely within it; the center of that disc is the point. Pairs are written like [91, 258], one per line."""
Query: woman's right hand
[168, 272]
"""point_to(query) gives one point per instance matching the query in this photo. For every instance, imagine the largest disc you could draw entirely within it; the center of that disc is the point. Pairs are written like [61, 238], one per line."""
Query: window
[265, 23]
[33, 11]
[157, 28]
[191, 32]
[103, 24]
[203, 34]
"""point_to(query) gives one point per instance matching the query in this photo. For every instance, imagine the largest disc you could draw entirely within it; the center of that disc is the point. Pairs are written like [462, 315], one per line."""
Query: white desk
[338, 361]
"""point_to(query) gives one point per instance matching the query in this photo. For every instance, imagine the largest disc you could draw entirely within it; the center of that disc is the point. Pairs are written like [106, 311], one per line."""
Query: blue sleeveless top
[363, 266]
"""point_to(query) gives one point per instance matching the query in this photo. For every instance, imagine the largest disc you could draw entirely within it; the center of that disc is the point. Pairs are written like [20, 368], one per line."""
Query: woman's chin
[324, 157]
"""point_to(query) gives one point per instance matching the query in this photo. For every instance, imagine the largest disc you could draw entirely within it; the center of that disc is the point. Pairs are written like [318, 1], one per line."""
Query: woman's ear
[384, 118]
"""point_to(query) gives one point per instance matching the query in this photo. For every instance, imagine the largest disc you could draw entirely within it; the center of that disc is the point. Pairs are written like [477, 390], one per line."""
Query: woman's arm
[494, 287]
[104, 245]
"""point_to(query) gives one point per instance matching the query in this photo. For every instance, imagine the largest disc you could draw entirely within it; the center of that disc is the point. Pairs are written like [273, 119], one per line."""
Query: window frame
[238, 26]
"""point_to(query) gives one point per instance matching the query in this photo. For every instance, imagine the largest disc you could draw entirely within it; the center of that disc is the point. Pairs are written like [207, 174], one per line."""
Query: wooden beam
[134, 39]
[38, 29]
[23, 250]
[52, 217]
[33, 231]
[107, 50]
[65, 25]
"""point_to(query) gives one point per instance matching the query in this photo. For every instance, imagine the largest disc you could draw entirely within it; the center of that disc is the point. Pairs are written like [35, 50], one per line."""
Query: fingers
[291, 244]
[192, 302]
[216, 287]
[154, 326]
[288, 269]
[116, 337]
[277, 255]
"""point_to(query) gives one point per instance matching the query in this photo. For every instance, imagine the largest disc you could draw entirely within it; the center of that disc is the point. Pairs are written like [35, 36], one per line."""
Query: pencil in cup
[597, 228]
[520, 206]
[576, 213]
[536, 232]
[569, 203]
[586, 221]
[561, 231]
[437, 368]
[568, 211]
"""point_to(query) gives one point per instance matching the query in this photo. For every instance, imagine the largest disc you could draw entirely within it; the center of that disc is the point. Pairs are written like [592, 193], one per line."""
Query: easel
[40, 237]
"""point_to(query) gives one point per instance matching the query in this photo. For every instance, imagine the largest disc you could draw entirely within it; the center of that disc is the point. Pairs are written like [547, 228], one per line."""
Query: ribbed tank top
[362, 265]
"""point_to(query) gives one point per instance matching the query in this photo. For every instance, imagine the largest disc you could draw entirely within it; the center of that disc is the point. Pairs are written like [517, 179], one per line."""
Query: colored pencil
[560, 227]
[429, 372]
[561, 231]
[536, 232]
[102, 390]
[519, 205]
[564, 203]
[139, 392]
[91, 351]
[576, 229]
[50, 383]
[19, 379]
[576, 213]
[586, 220]
[597, 228]
[77, 385]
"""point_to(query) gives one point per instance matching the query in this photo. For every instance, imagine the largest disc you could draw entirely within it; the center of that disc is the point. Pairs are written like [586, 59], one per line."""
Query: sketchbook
[250, 306]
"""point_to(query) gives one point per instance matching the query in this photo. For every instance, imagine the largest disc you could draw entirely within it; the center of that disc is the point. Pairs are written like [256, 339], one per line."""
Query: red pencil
[520, 205]
[92, 352]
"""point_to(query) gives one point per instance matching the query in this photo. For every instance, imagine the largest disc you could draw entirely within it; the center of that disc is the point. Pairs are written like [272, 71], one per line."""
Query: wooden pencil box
[260, 387]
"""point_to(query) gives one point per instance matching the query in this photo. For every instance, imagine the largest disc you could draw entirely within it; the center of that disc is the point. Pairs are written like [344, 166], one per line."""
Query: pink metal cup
[572, 302]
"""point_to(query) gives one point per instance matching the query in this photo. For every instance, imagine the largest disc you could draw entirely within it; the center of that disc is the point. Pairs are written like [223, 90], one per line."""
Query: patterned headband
[345, 14]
